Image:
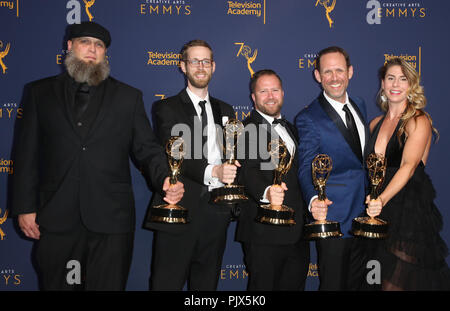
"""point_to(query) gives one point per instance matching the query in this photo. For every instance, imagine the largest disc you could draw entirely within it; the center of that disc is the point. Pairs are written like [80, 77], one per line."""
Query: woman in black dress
[413, 256]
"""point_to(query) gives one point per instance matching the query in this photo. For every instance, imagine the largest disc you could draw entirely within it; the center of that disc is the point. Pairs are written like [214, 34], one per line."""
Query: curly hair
[416, 100]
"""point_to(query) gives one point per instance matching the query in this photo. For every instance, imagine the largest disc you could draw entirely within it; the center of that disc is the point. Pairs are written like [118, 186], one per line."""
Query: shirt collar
[338, 106]
[74, 85]
[267, 117]
[196, 99]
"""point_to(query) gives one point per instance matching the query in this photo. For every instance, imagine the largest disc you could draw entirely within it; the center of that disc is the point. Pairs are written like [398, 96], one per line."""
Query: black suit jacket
[256, 181]
[65, 177]
[179, 110]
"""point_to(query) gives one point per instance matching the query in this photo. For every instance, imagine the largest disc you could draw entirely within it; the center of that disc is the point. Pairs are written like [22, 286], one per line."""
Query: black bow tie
[281, 121]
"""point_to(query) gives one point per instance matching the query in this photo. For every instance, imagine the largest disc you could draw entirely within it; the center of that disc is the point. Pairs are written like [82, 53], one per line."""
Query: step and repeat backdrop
[246, 36]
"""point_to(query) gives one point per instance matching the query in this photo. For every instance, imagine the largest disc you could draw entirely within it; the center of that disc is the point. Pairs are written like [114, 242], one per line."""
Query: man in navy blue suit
[335, 124]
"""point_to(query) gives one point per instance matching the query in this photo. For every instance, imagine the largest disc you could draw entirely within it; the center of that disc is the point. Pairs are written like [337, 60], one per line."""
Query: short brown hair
[192, 43]
[260, 73]
[332, 49]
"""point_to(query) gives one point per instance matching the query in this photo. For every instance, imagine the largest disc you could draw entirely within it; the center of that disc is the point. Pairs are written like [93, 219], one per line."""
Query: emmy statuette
[372, 227]
[230, 193]
[280, 215]
[322, 229]
[171, 213]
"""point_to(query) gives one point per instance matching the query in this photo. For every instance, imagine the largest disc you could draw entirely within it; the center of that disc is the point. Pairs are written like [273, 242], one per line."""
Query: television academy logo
[10, 5]
[6, 166]
[328, 9]
[248, 8]
[156, 58]
[74, 14]
[414, 59]
[313, 270]
[246, 51]
[3, 54]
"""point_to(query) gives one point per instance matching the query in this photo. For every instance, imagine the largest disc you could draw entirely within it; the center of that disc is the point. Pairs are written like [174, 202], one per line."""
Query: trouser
[277, 267]
[341, 263]
[194, 255]
[84, 260]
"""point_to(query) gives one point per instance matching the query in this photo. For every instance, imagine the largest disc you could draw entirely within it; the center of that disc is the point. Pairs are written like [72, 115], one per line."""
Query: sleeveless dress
[413, 256]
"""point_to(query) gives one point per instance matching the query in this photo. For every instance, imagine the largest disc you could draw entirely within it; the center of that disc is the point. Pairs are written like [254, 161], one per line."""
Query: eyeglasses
[87, 41]
[196, 62]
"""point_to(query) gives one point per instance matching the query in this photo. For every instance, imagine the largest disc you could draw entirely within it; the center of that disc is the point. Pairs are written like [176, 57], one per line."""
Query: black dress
[413, 256]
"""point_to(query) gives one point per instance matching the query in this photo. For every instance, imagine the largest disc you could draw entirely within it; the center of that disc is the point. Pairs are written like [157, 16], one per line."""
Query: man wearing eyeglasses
[193, 252]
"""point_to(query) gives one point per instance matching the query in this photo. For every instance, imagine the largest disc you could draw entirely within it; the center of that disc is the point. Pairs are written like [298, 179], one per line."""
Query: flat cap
[89, 29]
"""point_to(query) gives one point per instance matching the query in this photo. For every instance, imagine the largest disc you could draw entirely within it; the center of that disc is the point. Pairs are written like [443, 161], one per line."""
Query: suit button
[79, 124]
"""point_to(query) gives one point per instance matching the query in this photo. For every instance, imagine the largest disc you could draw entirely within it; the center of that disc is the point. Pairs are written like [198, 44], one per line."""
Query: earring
[409, 97]
[383, 97]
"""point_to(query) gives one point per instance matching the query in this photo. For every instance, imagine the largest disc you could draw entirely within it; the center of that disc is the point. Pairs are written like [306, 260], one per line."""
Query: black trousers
[193, 256]
[102, 260]
[341, 263]
[277, 267]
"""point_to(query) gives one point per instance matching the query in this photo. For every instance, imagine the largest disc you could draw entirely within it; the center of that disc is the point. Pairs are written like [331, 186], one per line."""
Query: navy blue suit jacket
[321, 130]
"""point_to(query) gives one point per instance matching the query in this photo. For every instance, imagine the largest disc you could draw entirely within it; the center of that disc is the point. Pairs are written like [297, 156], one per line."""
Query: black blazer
[64, 177]
[256, 181]
[177, 110]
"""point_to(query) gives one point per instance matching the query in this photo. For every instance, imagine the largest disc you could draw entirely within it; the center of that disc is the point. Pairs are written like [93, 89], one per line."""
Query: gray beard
[82, 72]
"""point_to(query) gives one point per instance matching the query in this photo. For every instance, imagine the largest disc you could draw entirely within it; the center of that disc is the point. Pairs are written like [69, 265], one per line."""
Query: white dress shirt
[214, 156]
[286, 137]
[338, 107]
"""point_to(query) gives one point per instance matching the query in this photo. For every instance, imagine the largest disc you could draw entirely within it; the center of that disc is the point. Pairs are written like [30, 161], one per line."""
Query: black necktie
[81, 100]
[351, 126]
[204, 120]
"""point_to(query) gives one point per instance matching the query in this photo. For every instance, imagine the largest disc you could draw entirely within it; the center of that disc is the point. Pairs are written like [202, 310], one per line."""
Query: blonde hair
[416, 100]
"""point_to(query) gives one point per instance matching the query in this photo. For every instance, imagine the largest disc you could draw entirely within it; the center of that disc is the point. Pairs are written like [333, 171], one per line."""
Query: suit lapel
[364, 122]
[190, 112]
[334, 116]
[258, 120]
[188, 107]
[293, 132]
[215, 107]
[108, 95]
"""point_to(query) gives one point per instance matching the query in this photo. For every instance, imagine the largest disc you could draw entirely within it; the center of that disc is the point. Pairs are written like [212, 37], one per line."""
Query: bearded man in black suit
[72, 185]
